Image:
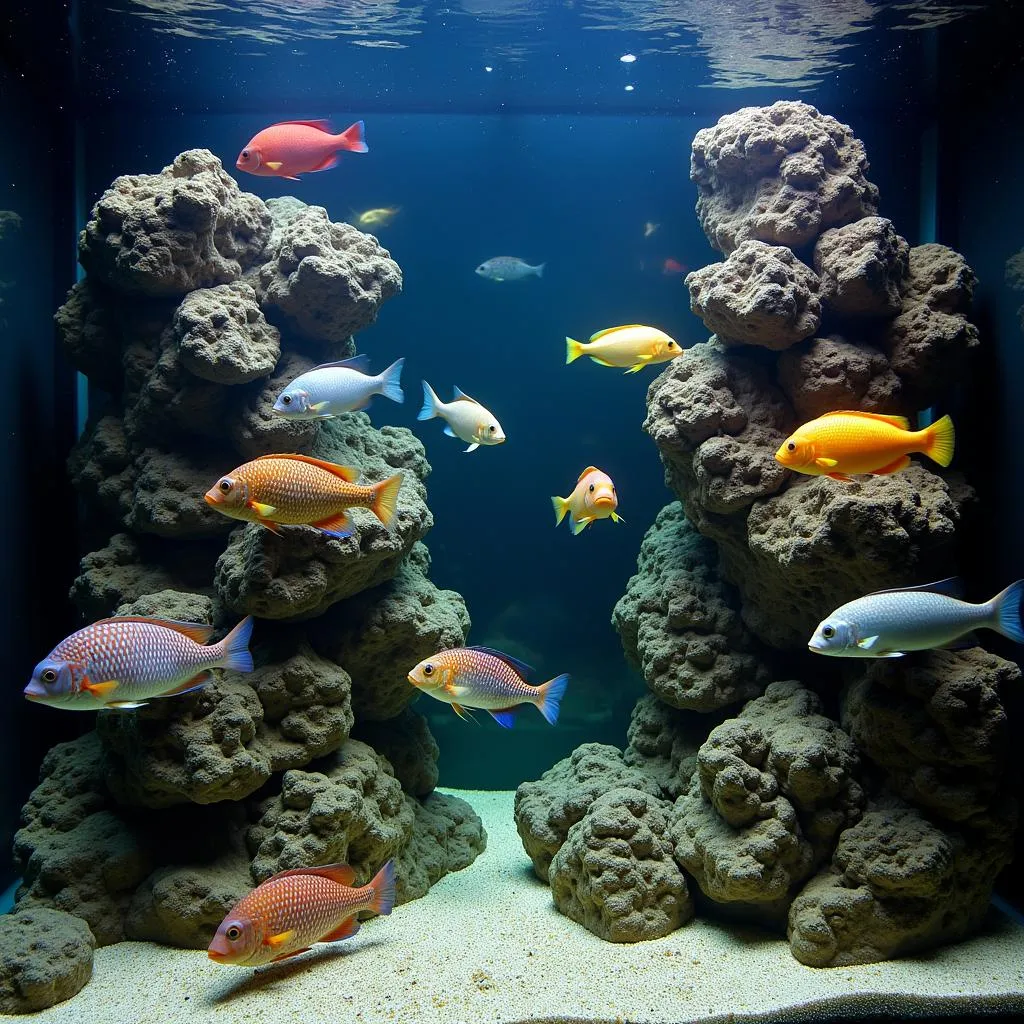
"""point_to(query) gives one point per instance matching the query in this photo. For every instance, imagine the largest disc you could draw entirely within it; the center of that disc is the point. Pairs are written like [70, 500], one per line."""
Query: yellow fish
[592, 498]
[633, 346]
[378, 217]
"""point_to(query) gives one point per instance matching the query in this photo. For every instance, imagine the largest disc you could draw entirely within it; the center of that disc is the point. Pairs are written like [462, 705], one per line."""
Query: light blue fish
[333, 388]
[509, 268]
[889, 623]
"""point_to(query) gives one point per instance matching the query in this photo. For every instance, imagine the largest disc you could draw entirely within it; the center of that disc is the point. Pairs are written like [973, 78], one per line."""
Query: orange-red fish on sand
[292, 490]
[291, 911]
[848, 443]
[291, 148]
[592, 498]
[479, 677]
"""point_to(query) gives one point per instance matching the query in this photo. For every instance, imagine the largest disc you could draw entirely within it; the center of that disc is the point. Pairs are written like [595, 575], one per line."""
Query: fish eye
[491, 428]
[49, 676]
[671, 344]
[828, 632]
[591, 488]
[286, 399]
[791, 447]
[234, 933]
[428, 669]
[225, 486]
[245, 154]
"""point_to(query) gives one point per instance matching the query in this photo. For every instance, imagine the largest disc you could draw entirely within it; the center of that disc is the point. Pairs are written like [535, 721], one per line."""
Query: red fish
[291, 148]
[290, 911]
[671, 266]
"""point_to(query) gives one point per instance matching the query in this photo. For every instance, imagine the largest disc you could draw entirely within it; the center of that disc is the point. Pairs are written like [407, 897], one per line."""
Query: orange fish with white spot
[847, 443]
[288, 913]
[293, 490]
[291, 148]
[592, 498]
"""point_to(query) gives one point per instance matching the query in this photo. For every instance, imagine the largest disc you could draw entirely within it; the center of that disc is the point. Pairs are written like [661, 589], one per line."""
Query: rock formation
[199, 304]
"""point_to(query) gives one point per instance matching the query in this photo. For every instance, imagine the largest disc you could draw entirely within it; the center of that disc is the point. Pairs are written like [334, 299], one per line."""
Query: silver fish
[508, 268]
[889, 623]
[334, 388]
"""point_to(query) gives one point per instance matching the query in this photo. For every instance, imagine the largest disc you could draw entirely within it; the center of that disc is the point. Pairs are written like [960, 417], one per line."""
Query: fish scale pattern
[488, 676]
[299, 491]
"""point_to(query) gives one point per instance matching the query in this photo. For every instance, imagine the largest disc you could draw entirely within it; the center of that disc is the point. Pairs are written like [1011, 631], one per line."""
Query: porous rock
[663, 743]
[863, 267]
[88, 335]
[781, 174]
[325, 280]
[547, 808]
[407, 743]
[761, 295]
[223, 336]
[188, 227]
[615, 873]
[45, 958]
[300, 575]
[102, 467]
[381, 633]
[680, 625]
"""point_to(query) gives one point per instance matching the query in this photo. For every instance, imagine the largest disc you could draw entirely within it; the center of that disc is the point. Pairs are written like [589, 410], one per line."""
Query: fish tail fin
[385, 498]
[573, 350]
[561, 506]
[353, 138]
[431, 404]
[550, 696]
[1006, 607]
[539, 269]
[391, 382]
[939, 440]
[234, 647]
[383, 886]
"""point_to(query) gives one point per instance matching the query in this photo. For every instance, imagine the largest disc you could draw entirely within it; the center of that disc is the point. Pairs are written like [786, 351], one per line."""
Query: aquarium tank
[513, 510]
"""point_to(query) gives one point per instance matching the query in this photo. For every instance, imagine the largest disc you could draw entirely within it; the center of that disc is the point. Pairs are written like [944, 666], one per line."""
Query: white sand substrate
[487, 946]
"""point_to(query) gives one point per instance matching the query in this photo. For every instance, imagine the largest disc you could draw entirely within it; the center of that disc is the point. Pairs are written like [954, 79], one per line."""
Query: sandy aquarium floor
[488, 947]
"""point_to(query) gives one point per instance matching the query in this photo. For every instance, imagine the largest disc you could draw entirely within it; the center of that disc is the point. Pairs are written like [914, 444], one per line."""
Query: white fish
[889, 623]
[508, 268]
[333, 388]
[465, 417]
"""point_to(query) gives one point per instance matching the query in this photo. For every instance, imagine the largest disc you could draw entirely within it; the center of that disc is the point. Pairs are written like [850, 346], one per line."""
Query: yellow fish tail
[573, 350]
[385, 498]
[939, 440]
[561, 506]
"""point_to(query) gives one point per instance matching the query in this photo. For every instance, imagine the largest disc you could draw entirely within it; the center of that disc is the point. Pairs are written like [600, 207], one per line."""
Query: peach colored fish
[592, 498]
[276, 490]
[291, 148]
[288, 913]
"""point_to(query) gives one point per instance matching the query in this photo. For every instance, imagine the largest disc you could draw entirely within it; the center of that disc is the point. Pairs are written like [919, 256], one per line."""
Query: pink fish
[291, 148]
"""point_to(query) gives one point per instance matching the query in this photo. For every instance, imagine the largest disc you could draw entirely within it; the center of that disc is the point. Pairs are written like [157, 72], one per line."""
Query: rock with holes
[663, 742]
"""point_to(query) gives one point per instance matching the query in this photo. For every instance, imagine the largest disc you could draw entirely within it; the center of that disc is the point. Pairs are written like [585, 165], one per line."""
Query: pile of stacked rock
[862, 838]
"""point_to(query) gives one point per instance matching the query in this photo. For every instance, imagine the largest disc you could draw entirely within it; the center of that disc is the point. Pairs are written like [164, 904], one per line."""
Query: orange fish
[287, 913]
[291, 148]
[297, 490]
[672, 267]
[593, 498]
[839, 444]
[480, 677]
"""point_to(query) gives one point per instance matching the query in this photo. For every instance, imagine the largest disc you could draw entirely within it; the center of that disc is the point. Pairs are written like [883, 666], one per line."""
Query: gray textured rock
[781, 174]
[407, 743]
[663, 743]
[89, 336]
[761, 295]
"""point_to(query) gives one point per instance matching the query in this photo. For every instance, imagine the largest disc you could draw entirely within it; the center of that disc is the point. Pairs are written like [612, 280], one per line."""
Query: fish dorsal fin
[323, 125]
[198, 631]
[952, 586]
[514, 663]
[896, 421]
[609, 330]
[460, 396]
[589, 469]
[340, 873]
[348, 473]
[360, 363]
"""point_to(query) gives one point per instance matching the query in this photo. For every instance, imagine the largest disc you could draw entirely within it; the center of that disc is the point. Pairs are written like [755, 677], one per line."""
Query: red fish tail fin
[353, 138]
[235, 647]
[383, 886]
[549, 697]
[939, 440]
[385, 498]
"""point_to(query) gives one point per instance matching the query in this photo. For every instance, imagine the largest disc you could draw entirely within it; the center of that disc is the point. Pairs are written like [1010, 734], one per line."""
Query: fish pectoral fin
[824, 463]
[473, 447]
[319, 406]
[893, 467]
[505, 717]
[349, 927]
[868, 643]
[294, 952]
[274, 165]
[278, 940]
[450, 432]
[262, 510]
[101, 689]
[462, 712]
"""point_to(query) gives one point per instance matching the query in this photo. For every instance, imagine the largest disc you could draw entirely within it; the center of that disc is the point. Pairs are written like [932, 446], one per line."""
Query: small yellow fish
[633, 346]
[378, 217]
[593, 498]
